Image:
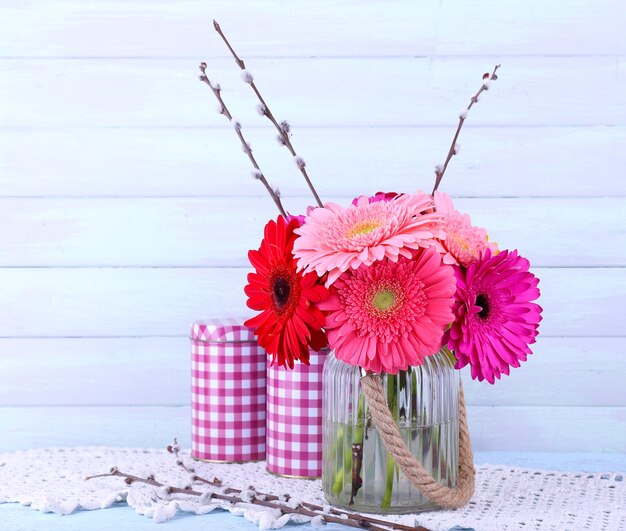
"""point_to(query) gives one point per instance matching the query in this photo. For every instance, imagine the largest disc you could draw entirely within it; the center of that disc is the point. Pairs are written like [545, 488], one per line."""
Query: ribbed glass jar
[357, 471]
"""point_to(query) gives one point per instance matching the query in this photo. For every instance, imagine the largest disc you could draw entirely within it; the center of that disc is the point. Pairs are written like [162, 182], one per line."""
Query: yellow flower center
[461, 242]
[364, 227]
[384, 300]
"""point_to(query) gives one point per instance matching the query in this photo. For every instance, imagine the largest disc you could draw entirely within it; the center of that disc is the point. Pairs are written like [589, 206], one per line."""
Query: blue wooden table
[14, 517]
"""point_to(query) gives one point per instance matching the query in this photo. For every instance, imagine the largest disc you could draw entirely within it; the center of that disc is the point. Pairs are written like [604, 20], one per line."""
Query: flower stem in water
[392, 400]
[338, 454]
[357, 450]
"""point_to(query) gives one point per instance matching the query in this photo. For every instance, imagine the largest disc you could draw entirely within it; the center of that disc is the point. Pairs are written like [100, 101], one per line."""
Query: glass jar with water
[358, 473]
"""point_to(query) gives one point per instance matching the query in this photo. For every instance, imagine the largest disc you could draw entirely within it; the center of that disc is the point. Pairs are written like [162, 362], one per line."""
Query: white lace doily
[506, 498]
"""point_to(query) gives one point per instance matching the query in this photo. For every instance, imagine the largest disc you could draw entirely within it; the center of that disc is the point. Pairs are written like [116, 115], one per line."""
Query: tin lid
[223, 329]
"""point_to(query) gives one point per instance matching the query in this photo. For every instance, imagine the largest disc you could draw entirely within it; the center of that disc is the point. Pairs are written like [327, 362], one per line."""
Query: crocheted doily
[506, 498]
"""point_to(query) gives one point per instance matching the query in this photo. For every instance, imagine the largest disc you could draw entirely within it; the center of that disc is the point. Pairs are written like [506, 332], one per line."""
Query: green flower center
[384, 299]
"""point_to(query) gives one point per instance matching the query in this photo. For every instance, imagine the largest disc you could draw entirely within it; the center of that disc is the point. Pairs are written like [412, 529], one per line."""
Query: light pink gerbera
[495, 318]
[463, 242]
[390, 315]
[334, 239]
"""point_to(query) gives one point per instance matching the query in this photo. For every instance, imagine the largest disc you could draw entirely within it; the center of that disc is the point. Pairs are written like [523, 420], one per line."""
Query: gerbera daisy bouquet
[386, 282]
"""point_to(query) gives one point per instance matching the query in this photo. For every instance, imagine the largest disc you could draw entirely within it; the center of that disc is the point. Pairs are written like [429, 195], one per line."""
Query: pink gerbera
[463, 242]
[495, 318]
[335, 239]
[390, 315]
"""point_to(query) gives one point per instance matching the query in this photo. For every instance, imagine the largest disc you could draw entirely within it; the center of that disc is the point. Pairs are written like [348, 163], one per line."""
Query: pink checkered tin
[228, 370]
[294, 418]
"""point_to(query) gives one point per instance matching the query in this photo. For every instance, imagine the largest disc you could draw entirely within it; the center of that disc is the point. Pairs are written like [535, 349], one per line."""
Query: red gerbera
[290, 322]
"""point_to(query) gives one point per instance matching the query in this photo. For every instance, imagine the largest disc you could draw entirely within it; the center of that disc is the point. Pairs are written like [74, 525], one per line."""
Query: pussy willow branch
[217, 91]
[462, 117]
[282, 128]
[215, 482]
[129, 479]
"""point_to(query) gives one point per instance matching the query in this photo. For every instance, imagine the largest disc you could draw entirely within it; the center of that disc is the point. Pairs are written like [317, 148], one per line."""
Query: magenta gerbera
[495, 318]
[463, 241]
[335, 239]
[390, 315]
[378, 196]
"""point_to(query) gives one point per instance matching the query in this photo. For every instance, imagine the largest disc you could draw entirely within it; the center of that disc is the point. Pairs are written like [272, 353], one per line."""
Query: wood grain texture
[163, 28]
[127, 208]
[95, 372]
[111, 302]
[313, 92]
[491, 427]
[548, 428]
[147, 232]
[122, 518]
[493, 162]
[41, 427]
[155, 372]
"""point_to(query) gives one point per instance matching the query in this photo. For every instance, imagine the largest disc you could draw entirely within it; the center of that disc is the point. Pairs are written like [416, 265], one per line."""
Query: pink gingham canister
[228, 370]
[294, 418]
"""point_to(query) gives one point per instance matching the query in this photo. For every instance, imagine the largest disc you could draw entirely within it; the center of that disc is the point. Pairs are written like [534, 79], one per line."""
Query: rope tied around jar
[428, 486]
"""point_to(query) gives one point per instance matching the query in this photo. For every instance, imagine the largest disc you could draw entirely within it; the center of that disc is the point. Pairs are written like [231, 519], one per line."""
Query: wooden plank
[113, 302]
[191, 162]
[548, 429]
[100, 371]
[174, 232]
[121, 517]
[527, 429]
[155, 371]
[145, 427]
[375, 28]
[565, 461]
[555, 375]
[313, 92]
[117, 302]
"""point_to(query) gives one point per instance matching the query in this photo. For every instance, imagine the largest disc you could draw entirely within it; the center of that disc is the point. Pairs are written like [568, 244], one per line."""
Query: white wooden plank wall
[126, 206]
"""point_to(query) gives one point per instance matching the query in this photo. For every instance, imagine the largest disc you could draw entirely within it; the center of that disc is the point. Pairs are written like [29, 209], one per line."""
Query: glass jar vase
[357, 472]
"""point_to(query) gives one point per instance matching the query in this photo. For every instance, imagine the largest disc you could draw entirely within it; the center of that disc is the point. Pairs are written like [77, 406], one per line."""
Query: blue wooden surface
[14, 517]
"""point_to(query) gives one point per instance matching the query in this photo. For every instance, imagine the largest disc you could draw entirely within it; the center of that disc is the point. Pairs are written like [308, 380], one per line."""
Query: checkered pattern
[225, 329]
[228, 370]
[294, 418]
